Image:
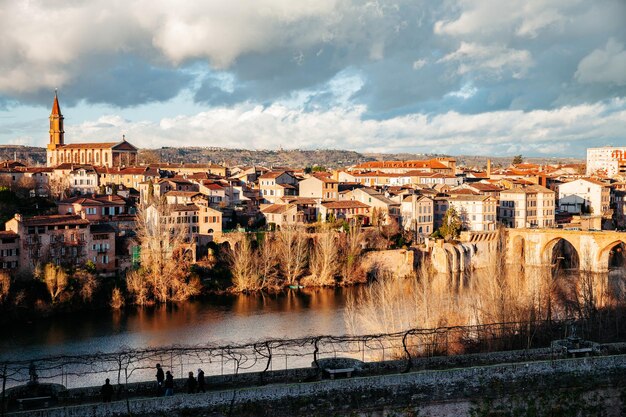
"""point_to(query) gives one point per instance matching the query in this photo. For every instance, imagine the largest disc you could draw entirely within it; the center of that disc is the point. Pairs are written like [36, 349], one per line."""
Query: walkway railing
[130, 365]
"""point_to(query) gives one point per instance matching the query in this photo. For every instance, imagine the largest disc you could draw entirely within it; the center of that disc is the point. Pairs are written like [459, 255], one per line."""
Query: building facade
[109, 154]
[608, 160]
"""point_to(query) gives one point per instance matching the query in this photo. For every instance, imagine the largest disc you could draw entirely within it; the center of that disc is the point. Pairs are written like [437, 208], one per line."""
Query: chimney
[488, 168]
[18, 217]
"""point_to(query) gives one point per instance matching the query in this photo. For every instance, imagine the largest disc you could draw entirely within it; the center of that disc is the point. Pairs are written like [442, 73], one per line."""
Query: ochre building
[107, 154]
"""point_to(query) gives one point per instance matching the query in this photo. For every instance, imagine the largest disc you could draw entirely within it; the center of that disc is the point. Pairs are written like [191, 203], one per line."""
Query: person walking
[107, 391]
[191, 384]
[201, 380]
[169, 384]
[160, 377]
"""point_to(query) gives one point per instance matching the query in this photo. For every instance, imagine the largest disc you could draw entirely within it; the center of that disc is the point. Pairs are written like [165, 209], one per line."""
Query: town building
[110, 154]
[95, 207]
[585, 196]
[607, 161]
[345, 210]
[530, 206]
[417, 215]
[9, 251]
[319, 186]
[275, 185]
[477, 213]
[61, 239]
[440, 165]
[376, 200]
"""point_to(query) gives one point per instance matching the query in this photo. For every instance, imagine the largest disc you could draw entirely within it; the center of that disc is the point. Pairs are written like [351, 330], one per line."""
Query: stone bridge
[534, 247]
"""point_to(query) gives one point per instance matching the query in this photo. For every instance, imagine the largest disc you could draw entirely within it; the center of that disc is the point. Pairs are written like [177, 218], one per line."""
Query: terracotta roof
[100, 200]
[271, 174]
[34, 170]
[212, 186]
[481, 186]
[7, 234]
[470, 197]
[323, 178]
[530, 189]
[94, 145]
[344, 204]
[597, 182]
[417, 197]
[183, 207]
[298, 200]
[175, 193]
[68, 166]
[276, 208]
[377, 174]
[56, 219]
[463, 191]
[12, 164]
[429, 163]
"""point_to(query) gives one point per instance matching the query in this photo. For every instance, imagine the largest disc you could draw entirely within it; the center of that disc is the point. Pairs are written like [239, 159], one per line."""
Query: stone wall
[419, 389]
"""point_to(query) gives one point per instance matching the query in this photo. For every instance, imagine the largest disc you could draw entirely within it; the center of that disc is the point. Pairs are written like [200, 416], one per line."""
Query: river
[217, 320]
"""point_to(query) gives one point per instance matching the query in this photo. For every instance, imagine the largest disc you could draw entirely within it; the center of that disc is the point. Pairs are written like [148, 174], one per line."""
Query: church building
[106, 154]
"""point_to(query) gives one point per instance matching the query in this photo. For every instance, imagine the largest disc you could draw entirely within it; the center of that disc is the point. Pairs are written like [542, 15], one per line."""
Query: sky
[531, 77]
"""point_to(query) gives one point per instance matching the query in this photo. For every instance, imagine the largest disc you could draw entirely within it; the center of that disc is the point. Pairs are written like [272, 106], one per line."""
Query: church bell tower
[56, 125]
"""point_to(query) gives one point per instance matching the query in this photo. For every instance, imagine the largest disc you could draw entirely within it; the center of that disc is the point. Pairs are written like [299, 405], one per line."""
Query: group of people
[165, 384]
[166, 381]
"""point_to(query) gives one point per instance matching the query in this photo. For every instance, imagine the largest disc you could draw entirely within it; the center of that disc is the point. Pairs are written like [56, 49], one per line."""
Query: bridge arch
[613, 253]
[560, 252]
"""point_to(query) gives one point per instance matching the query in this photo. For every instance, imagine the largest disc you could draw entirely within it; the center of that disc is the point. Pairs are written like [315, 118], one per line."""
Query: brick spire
[56, 110]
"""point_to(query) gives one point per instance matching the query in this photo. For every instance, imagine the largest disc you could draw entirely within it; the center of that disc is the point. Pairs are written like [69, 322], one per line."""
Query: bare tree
[293, 252]
[117, 299]
[5, 286]
[55, 279]
[267, 263]
[243, 266]
[351, 251]
[165, 252]
[324, 259]
[59, 186]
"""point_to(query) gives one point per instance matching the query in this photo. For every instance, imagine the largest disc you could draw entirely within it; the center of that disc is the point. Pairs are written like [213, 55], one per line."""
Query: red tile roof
[346, 204]
[55, 220]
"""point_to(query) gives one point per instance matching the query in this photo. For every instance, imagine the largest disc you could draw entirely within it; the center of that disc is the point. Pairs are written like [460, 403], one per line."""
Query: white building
[417, 214]
[477, 212]
[609, 160]
[585, 195]
[530, 206]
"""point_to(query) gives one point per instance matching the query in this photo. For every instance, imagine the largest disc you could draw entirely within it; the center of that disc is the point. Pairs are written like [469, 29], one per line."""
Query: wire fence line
[131, 365]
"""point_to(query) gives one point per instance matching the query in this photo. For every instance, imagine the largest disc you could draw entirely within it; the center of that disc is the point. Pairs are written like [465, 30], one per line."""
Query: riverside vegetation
[325, 254]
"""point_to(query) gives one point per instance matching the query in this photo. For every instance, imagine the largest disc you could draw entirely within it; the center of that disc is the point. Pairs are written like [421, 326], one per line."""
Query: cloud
[491, 60]
[563, 131]
[524, 18]
[411, 56]
[606, 65]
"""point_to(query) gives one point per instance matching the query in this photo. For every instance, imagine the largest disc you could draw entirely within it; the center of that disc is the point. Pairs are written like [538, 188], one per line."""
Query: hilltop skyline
[456, 78]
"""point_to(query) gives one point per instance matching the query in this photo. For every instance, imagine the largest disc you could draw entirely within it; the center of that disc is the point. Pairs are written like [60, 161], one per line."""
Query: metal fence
[131, 365]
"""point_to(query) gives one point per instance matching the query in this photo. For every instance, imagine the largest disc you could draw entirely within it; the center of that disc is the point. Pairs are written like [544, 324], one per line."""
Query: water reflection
[219, 319]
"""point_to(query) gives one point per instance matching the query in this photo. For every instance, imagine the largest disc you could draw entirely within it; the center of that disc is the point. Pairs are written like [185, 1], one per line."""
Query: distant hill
[296, 158]
[30, 155]
[330, 158]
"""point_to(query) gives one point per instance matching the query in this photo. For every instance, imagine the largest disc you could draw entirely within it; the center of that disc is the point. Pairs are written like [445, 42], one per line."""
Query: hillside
[296, 158]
